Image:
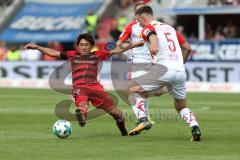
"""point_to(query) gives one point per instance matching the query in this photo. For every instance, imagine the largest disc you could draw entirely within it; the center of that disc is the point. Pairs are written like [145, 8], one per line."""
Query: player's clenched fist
[140, 43]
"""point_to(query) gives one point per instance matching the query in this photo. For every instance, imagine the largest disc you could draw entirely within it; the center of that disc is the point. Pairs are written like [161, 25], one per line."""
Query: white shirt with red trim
[169, 41]
[133, 31]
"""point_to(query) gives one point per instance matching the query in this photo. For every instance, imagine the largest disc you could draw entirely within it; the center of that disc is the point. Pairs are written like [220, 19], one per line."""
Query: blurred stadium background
[211, 26]
[27, 115]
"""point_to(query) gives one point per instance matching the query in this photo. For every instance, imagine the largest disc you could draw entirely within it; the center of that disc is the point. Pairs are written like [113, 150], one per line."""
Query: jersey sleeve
[67, 54]
[148, 31]
[103, 54]
[126, 34]
[180, 38]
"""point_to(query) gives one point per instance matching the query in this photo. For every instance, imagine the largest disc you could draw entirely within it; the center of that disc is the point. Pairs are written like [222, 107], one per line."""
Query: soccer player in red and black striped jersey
[86, 86]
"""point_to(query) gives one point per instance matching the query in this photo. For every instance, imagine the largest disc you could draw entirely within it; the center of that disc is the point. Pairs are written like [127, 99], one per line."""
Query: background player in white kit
[141, 62]
[168, 69]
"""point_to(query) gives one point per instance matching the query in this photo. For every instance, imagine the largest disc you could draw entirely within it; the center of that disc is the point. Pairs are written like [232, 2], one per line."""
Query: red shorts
[94, 93]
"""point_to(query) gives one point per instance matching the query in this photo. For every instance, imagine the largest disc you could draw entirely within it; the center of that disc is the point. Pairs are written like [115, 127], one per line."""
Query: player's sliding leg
[117, 114]
[189, 117]
[82, 104]
[81, 113]
[102, 100]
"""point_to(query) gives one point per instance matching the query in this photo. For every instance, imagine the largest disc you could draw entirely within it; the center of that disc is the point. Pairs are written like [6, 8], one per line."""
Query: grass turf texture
[27, 116]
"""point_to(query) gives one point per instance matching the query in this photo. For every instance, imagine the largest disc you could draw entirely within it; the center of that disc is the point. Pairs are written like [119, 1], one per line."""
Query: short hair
[138, 4]
[145, 9]
[87, 37]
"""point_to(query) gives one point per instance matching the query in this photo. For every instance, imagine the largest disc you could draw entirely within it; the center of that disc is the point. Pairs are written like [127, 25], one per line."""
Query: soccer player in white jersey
[133, 31]
[168, 69]
[141, 62]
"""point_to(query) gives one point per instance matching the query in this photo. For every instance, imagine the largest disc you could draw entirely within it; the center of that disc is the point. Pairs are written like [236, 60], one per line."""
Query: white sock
[146, 108]
[139, 105]
[189, 117]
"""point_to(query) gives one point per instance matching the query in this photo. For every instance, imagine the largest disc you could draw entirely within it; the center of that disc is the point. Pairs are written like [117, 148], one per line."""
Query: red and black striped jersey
[84, 67]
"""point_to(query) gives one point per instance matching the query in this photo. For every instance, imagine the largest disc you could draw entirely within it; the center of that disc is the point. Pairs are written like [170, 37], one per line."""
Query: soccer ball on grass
[62, 128]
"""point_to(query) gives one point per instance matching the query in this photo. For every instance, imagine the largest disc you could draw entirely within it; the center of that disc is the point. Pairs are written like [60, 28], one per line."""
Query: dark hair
[87, 37]
[145, 9]
[138, 4]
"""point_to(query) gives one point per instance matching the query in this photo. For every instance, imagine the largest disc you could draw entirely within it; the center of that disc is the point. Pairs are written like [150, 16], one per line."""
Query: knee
[83, 105]
[137, 90]
[131, 90]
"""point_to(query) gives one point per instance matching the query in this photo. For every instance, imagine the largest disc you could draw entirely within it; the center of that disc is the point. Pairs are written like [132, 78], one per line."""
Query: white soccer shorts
[160, 76]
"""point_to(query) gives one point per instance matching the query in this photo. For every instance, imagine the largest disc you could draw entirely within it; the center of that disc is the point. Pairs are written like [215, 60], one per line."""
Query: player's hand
[31, 46]
[140, 43]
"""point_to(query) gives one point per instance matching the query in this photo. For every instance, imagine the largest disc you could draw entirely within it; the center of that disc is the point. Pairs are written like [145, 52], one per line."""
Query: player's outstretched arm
[48, 51]
[186, 51]
[123, 48]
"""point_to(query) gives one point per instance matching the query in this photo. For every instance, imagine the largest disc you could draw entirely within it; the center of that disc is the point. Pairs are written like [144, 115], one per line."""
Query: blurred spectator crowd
[19, 53]
[223, 2]
[213, 32]
[222, 32]
[11, 52]
[4, 3]
[125, 3]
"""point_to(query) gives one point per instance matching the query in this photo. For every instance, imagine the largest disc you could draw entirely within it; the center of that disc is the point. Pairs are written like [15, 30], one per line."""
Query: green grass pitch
[27, 116]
